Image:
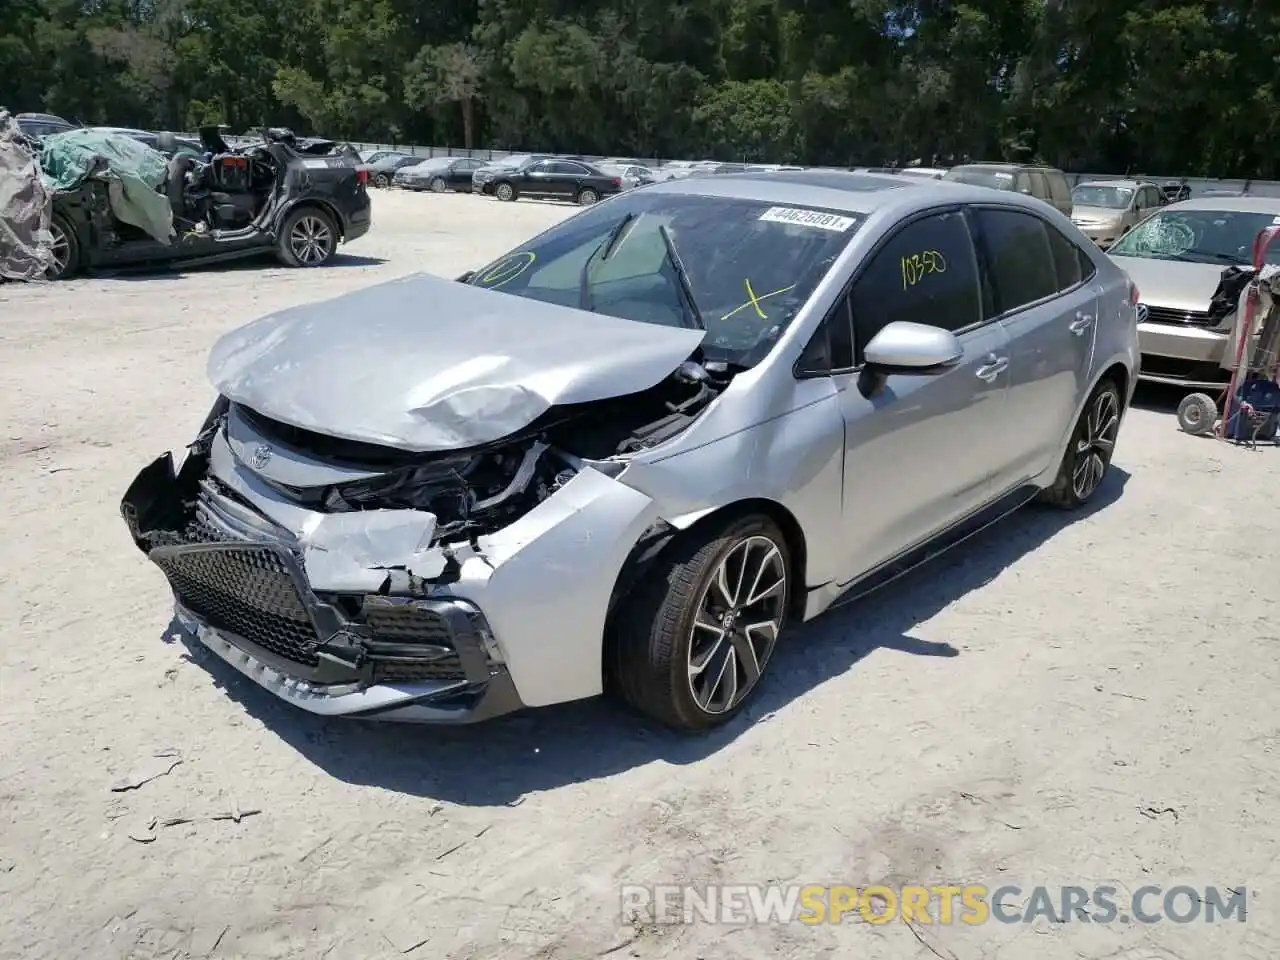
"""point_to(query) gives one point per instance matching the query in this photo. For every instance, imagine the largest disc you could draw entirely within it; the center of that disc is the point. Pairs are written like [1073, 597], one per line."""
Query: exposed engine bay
[471, 493]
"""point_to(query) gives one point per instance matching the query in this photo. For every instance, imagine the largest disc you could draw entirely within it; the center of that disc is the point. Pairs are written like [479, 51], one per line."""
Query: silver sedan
[628, 454]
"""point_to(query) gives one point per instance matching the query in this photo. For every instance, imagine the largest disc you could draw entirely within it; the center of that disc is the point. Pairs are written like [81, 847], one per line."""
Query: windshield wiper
[683, 277]
[603, 251]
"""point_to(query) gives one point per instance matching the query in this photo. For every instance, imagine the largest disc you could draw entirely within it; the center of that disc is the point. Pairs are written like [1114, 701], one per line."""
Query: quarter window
[926, 273]
[1019, 258]
[1068, 259]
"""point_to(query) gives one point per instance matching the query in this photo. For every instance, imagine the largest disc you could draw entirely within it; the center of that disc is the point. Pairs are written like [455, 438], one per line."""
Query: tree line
[1101, 85]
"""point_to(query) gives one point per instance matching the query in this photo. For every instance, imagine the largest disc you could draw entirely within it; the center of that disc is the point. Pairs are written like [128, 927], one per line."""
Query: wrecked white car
[625, 454]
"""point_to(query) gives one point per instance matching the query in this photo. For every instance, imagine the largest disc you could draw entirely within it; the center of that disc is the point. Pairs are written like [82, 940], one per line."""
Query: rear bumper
[358, 223]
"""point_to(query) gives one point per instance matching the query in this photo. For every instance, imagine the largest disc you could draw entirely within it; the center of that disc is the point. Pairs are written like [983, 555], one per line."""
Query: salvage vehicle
[268, 196]
[439, 175]
[1105, 210]
[627, 454]
[548, 178]
[1045, 183]
[1189, 260]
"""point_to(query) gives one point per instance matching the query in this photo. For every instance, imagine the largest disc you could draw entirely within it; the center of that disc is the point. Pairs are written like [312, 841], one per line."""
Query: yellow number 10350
[917, 266]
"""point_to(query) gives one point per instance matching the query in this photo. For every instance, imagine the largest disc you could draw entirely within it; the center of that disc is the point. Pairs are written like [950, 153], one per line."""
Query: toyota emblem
[261, 456]
[1142, 313]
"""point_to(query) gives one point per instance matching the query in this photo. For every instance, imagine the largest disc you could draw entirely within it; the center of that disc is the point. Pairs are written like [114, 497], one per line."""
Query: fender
[320, 202]
[1120, 360]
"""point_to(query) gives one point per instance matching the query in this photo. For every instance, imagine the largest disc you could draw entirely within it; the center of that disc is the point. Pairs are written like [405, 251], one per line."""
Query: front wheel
[382, 180]
[693, 640]
[438, 185]
[1088, 456]
[307, 238]
[505, 191]
[587, 196]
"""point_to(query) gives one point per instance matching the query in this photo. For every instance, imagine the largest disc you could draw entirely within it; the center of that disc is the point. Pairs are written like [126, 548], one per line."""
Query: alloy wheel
[736, 624]
[311, 240]
[438, 185]
[588, 197]
[60, 249]
[1094, 445]
[504, 191]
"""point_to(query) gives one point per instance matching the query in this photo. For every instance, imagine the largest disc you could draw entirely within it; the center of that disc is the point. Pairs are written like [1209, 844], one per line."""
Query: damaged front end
[359, 579]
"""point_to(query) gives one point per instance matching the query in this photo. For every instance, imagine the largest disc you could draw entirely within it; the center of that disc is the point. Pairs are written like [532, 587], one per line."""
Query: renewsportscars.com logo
[815, 904]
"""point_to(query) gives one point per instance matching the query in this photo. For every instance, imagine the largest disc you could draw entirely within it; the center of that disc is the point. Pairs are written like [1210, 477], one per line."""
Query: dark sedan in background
[439, 174]
[547, 178]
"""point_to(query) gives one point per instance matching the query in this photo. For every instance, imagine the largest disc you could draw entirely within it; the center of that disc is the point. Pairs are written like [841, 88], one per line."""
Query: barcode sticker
[808, 218]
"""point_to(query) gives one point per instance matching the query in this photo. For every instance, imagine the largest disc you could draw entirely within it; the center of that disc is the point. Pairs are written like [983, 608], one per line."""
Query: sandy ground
[1061, 701]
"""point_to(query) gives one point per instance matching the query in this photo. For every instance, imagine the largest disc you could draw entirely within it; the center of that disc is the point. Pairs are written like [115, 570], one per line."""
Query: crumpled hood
[1169, 283]
[424, 363]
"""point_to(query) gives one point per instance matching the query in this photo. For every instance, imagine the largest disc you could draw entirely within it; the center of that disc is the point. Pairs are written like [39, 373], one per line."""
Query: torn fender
[426, 364]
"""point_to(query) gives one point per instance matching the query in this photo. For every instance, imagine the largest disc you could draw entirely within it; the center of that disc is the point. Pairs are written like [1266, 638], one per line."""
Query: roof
[1002, 165]
[1245, 204]
[862, 193]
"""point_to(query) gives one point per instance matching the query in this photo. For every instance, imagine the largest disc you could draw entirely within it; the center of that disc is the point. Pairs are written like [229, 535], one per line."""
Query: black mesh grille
[406, 623]
[246, 590]
[446, 668]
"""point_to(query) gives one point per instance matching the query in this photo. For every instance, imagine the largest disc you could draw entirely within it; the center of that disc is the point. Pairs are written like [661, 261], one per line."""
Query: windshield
[1096, 195]
[749, 266]
[1195, 236]
[979, 177]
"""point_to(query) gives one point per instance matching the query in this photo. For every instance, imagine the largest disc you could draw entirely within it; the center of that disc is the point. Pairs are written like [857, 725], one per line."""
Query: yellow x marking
[754, 300]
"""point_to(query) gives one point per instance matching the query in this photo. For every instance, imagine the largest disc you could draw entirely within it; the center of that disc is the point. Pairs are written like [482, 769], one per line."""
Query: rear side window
[1039, 185]
[1072, 264]
[1058, 188]
[1019, 257]
[926, 273]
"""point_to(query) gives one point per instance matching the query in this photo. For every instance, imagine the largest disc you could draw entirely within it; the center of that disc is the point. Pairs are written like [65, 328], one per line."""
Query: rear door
[920, 452]
[1042, 291]
[461, 171]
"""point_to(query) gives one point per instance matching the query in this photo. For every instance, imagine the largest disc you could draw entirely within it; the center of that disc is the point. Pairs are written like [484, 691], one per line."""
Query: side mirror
[902, 347]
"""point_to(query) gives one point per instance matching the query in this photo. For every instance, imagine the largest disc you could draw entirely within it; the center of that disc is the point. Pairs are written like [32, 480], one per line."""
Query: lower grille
[245, 589]
[446, 668]
[405, 623]
[1180, 318]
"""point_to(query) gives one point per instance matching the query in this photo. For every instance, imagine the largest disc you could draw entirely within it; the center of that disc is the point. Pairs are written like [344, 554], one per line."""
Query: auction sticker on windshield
[808, 218]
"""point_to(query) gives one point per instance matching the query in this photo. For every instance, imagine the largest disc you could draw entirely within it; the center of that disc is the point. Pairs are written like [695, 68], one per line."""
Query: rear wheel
[587, 196]
[504, 191]
[65, 248]
[308, 238]
[438, 185]
[694, 639]
[381, 180]
[1088, 455]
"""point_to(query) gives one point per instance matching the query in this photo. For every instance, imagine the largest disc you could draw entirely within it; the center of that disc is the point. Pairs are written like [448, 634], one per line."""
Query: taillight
[362, 176]
[617, 182]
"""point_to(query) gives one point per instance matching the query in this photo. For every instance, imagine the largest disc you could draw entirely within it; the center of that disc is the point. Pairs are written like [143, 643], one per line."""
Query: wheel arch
[317, 202]
[656, 541]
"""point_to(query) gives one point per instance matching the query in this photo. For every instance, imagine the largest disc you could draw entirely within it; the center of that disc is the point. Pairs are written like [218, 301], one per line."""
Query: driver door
[921, 453]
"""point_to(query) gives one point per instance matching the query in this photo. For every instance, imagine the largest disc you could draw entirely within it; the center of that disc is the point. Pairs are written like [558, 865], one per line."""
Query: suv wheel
[307, 238]
[504, 191]
[1093, 441]
[694, 639]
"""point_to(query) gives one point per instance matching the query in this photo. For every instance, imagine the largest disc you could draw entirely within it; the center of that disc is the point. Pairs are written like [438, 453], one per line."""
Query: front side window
[750, 265]
[925, 273]
[1195, 236]
[1019, 258]
[1098, 195]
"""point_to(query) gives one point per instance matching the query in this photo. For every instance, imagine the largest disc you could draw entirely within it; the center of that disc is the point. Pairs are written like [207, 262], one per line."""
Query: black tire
[587, 196]
[1197, 414]
[307, 238]
[652, 644]
[1088, 454]
[65, 248]
[505, 191]
[438, 185]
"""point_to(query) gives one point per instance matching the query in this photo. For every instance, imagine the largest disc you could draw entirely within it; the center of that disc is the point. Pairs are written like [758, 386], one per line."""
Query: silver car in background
[1105, 210]
[1177, 258]
[628, 453]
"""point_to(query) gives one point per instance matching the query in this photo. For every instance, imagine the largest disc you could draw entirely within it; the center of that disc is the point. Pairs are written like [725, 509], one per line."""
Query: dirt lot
[1058, 702]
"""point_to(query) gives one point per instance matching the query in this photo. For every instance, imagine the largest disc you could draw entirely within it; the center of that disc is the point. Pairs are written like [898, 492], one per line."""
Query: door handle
[992, 368]
[1081, 323]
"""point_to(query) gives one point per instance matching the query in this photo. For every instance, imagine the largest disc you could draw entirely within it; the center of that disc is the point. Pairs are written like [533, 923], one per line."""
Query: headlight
[429, 487]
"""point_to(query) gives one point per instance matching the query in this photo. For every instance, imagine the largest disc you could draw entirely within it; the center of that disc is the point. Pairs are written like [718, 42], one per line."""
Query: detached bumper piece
[240, 587]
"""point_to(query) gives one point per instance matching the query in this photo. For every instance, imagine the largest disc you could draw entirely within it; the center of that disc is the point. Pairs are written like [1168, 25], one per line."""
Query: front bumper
[1183, 356]
[1104, 235]
[241, 590]
[518, 620]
